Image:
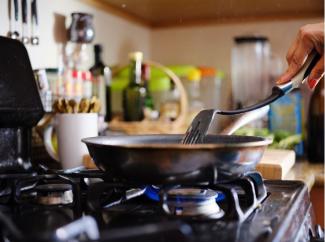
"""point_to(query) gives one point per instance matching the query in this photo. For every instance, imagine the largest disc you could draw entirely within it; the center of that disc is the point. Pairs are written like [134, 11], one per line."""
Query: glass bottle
[76, 53]
[80, 34]
[315, 145]
[102, 83]
[86, 84]
[134, 94]
[145, 76]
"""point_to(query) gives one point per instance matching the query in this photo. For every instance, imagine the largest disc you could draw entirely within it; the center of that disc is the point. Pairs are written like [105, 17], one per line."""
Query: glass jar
[170, 107]
[77, 56]
[210, 87]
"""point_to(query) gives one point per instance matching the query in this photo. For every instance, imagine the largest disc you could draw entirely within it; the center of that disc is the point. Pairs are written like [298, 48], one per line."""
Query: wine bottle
[134, 94]
[315, 130]
[145, 77]
[102, 83]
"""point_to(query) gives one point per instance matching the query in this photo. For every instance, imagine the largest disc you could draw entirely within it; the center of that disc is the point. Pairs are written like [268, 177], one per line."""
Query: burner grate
[241, 196]
[135, 212]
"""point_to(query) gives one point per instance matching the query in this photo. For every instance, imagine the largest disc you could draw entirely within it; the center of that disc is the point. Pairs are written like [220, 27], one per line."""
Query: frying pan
[163, 159]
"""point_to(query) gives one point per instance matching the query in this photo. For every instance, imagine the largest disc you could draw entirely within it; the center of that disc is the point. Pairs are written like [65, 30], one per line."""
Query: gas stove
[89, 206]
[44, 205]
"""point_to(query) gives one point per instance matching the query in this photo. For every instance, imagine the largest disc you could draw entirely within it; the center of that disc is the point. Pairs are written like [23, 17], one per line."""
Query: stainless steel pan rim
[109, 142]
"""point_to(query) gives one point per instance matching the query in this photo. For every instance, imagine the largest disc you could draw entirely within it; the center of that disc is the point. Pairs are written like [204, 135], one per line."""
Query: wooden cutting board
[276, 163]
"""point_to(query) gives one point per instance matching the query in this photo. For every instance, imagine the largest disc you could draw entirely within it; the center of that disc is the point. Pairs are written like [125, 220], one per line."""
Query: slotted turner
[203, 124]
[204, 120]
[281, 90]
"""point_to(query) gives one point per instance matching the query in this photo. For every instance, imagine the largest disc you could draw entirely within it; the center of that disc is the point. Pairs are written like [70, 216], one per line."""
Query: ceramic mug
[71, 128]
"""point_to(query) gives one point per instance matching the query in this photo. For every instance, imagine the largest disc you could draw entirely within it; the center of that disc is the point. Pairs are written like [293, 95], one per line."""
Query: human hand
[309, 37]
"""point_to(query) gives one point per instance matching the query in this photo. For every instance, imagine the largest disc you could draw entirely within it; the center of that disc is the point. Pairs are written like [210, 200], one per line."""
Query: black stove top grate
[254, 210]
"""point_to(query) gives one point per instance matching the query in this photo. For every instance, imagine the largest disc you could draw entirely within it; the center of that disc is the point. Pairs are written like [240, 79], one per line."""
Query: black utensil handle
[24, 10]
[34, 12]
[312, 64]
[16, 7]
[281, 90]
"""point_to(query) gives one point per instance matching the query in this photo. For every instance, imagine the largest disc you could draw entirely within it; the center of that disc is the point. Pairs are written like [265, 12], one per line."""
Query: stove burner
[192, 202]
[54, 194]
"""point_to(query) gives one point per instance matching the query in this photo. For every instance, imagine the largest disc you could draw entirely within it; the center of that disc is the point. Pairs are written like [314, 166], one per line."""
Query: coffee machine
[20, 106]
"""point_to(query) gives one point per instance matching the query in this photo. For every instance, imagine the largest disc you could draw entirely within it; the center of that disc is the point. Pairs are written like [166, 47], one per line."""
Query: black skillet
[163, 159]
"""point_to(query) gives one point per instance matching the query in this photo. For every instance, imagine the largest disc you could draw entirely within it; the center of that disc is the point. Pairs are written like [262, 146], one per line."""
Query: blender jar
[250, 70]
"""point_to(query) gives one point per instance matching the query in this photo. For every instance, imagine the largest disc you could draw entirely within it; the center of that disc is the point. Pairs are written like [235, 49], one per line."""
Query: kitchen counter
[311, 174]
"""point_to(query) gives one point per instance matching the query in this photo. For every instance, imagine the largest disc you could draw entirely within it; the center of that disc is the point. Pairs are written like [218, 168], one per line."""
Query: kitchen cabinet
[169, 13]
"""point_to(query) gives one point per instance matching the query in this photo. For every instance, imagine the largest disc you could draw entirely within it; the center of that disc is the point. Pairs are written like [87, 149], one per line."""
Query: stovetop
[87, 206]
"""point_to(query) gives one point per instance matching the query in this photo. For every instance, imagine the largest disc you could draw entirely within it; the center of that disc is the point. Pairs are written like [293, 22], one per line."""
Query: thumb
[292, 70]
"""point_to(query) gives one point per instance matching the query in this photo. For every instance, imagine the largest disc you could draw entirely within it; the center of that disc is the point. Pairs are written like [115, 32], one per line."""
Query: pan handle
[245, 119]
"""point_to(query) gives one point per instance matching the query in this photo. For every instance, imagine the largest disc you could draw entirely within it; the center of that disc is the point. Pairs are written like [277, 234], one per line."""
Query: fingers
[297, 54]
[295, 60]
[292, 49]
[316, 74]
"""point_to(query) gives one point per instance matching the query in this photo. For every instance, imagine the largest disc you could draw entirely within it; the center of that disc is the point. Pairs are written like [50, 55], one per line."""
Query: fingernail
[312, 83]
[278, 82]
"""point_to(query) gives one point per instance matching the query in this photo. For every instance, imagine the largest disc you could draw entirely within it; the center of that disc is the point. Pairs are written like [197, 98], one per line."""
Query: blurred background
[227, 54]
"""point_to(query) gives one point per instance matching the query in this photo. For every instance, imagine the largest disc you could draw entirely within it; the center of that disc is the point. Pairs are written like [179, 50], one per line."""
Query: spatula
[203, 124]
[281, 90]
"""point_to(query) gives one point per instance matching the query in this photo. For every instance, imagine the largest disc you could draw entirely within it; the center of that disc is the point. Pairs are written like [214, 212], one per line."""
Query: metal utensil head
[199, 127]
[204, 124]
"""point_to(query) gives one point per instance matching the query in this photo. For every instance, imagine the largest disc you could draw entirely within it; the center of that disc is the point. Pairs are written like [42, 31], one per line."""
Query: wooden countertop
[311, 174]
